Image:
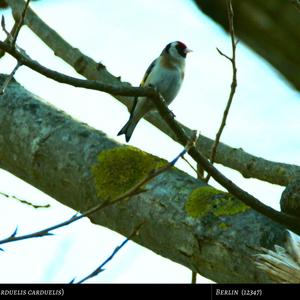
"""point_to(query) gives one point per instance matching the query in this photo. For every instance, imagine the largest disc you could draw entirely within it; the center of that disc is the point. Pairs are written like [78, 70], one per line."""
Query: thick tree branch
[248, 165]
[67, 160]
[135, 190]
[270, 28]
[290, 222]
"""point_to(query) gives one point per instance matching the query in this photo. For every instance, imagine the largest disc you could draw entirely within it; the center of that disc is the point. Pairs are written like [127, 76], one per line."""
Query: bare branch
[117, 249]
[233, 84]
[9, 78]
[229, 101]
[20, 24]
[288, 221]
[135, 190]
[21, 56]
[190, 165]
[4, 28]
[223, 54]
[24, 201]
[9, 35]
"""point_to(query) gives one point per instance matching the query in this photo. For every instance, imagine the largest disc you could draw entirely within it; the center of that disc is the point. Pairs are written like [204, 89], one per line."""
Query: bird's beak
[187, 50]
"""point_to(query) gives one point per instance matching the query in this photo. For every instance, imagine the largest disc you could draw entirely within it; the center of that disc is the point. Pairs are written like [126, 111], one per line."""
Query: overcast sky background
[126, 36]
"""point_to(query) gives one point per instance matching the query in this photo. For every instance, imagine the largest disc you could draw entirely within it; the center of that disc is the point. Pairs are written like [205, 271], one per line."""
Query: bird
[165, 74]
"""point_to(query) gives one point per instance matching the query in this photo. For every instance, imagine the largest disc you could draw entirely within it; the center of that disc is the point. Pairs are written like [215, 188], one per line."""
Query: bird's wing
[148, 72]
[142, 84]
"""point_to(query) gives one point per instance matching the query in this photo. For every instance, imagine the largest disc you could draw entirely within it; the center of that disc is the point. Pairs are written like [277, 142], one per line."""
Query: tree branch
[290, 222]
[24, 59]
[9, 78]
[9, 35]
[233, 84]
[68, 160]
[270, 28]
[248, 165]
[135, 190]
[24, 201]
[19, 24]
[101, 267]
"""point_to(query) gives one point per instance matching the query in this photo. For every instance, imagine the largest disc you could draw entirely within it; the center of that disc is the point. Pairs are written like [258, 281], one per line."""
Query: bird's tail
[128, 129]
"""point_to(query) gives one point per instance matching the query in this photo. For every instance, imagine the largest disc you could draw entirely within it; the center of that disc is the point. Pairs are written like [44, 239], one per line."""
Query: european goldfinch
[166, 74]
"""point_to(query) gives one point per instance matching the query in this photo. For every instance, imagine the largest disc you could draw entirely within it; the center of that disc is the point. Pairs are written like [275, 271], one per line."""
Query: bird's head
[176, 50]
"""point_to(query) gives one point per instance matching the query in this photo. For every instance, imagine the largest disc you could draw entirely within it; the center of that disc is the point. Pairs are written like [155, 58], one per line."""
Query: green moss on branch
[208, 200]
[119, 169]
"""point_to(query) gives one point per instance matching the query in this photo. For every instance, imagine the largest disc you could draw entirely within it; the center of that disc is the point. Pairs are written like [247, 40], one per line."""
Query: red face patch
[181, 47]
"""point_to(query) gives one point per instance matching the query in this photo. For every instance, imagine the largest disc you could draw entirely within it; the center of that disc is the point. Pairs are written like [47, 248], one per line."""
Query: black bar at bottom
[200, 291]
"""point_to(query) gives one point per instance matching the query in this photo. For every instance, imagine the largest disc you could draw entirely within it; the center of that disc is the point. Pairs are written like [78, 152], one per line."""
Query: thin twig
[193, 139]
[117, 249]
[233, 84]
[9, 35]
[20, 24]
[223, 54]
[74, 218]
[135, 190]
[190, 165]
[24, 201]
[9, 78]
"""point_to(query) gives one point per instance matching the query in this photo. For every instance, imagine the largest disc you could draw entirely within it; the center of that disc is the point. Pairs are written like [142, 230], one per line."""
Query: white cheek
[173, 52]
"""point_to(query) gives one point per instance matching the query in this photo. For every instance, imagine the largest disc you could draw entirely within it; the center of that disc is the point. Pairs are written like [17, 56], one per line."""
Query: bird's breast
[167, 81]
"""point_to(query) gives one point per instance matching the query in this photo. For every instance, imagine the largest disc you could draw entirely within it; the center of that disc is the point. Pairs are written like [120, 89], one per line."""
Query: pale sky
[126, 36]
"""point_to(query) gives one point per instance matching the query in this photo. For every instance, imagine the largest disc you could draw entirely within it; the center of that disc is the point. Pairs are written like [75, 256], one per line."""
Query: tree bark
[270, 28]
[185, 220]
